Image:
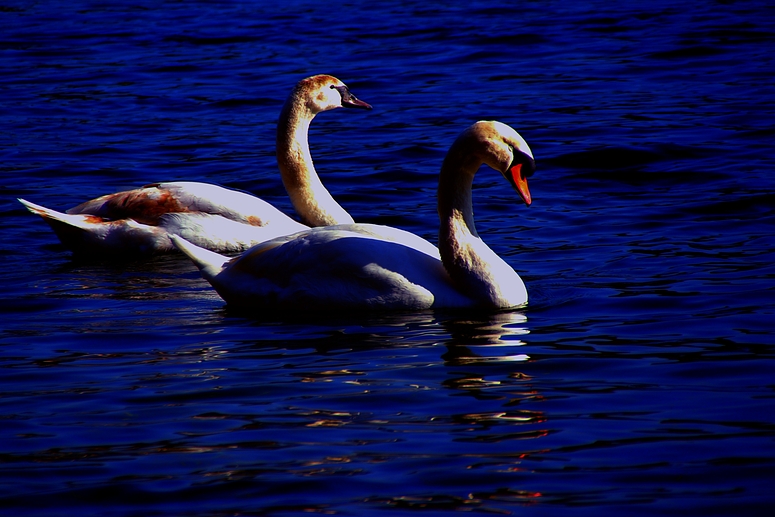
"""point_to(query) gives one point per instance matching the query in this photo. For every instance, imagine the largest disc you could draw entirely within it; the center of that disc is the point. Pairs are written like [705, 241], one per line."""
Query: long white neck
[311, 200]
[476, 270]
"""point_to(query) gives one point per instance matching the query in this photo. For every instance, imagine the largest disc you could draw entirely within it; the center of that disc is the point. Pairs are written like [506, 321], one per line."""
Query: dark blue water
[638, 381]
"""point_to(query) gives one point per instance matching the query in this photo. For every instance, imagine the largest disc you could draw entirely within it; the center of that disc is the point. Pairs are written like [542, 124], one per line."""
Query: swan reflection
[496, 337]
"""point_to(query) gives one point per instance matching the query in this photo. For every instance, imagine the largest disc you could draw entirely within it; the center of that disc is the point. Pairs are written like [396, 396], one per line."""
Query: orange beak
[520, 183]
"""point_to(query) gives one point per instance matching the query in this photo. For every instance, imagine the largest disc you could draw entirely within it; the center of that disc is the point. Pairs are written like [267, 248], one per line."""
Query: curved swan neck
[311, 200]
[456, 215]
[454, 192]
[473, 266]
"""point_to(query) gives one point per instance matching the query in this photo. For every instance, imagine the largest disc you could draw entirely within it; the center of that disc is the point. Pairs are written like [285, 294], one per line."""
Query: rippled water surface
[638, 381]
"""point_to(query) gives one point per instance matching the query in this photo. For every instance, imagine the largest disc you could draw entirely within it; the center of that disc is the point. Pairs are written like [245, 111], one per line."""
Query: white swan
[364, 266]
[140, 221]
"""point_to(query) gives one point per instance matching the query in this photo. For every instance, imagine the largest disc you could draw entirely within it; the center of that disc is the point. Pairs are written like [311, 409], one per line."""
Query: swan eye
[343, 91]
[528, 164]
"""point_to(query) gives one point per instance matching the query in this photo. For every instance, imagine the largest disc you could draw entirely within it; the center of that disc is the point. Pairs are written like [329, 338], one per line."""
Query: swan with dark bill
[140, 221]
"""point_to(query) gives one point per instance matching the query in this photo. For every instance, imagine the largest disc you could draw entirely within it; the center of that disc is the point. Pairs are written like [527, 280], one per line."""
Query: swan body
[364, 266]
[140, 221]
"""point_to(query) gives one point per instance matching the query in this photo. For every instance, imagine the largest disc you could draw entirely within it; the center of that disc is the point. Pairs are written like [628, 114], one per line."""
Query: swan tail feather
[209, 262]
[49, 215]
[92, 234]
[77, 232]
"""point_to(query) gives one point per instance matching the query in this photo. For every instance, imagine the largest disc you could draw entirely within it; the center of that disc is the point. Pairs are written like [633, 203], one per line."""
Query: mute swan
[365, 266]
[140, 221]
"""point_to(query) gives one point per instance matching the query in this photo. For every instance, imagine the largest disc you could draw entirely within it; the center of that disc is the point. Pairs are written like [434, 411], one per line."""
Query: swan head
[326, 92]
[503, 149]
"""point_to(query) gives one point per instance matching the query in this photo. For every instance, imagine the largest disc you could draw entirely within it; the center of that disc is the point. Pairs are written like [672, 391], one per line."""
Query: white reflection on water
[496, 337]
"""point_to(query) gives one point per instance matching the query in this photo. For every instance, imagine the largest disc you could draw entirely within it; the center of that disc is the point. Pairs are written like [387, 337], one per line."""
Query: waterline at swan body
[140, 221]
[364, 266]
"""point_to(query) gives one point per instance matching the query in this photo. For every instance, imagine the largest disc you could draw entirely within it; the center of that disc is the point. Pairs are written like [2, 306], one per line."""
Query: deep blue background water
[638, 381]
